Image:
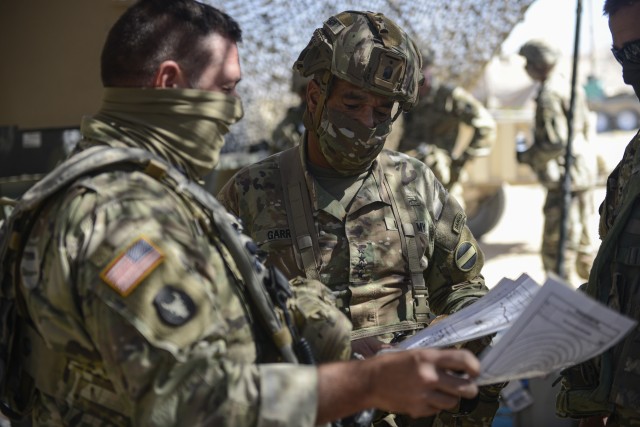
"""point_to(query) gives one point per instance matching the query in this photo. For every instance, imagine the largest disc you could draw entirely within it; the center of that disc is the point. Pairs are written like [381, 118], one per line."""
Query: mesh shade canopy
[463, 34]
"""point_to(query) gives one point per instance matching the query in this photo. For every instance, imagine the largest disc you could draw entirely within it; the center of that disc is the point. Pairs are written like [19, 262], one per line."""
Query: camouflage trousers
[578, 256]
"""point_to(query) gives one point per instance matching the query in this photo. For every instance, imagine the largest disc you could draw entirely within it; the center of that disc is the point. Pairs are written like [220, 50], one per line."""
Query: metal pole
[566, 181]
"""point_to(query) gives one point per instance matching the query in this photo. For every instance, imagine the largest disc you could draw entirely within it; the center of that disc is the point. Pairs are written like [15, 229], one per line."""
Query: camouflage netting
[464, 34]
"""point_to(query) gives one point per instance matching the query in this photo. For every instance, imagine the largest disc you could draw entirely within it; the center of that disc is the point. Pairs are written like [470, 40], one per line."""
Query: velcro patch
[466, 256]
[131, 266]
[413, 200]
[278, 233]
[458, 222]
[174, 306]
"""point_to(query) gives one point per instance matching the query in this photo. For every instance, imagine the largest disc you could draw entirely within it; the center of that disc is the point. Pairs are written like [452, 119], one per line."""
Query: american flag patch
[125, 272]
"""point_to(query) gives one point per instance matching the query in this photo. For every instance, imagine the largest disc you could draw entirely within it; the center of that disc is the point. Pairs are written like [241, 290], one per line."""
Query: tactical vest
[304, 236]
[18, 378]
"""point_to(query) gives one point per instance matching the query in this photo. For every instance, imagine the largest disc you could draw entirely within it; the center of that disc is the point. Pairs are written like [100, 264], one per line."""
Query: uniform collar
[370, 191]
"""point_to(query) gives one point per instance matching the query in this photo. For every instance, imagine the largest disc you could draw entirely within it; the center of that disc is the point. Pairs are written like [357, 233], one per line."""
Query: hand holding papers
[547, 328]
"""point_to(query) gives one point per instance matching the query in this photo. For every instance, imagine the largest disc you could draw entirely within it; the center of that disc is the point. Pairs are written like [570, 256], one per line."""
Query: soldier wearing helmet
[373, 225]
[130, 297]
[432, 128]
[290, 129]
[546, 156]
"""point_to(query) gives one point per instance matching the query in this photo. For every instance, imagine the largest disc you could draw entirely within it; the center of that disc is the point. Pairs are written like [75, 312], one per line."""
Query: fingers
[456, 369]
[422, 382]
[457, 361]
[456, 385]
[367, 347]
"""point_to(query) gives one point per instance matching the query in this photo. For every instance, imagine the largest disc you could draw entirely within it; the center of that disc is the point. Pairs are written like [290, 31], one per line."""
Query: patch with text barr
[131, 266]
[466, 256]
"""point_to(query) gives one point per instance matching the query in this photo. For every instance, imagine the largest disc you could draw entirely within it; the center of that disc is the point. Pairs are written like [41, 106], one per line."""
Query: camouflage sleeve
[164, 314]
[473, 113]
[228, 196]
[624, 297]
[550, 133]
[453, 277]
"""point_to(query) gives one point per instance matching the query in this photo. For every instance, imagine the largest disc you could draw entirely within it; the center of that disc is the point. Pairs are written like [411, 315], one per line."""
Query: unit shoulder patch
[466, 256]
[174, 306]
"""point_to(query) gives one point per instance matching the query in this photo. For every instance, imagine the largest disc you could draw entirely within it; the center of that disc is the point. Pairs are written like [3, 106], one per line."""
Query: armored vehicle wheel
[485, 212]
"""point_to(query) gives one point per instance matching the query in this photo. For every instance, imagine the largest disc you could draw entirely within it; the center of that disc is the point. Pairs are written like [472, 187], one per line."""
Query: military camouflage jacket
[361, 253]
[143, 316]
[615, 277]
[437, 117]
[546, 155]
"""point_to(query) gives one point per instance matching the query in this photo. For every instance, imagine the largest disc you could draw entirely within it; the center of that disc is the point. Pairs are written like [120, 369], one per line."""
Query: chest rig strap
[299, 212]
[406, 219]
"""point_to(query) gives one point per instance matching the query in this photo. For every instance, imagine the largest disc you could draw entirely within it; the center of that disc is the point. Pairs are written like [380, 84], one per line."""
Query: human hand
[422, 382]
[367, 347]
[418, 383]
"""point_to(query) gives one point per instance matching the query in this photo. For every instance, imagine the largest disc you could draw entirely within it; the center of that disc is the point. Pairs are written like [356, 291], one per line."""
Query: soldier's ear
[169, 75]
[313, 95]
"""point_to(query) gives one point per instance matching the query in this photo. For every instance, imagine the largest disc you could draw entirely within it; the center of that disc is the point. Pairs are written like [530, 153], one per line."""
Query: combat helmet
[540, 53]
[368, 50]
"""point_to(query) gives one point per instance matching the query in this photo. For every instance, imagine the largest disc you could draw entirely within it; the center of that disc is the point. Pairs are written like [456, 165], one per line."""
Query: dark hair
[153, 31]
[612, 6]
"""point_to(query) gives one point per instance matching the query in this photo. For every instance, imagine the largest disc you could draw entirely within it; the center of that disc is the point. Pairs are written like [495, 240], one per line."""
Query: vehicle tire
[627, 120]
[488, 213]
[603, 122]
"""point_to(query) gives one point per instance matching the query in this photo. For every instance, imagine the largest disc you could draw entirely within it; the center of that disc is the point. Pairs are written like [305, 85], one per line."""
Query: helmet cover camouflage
[540, 53]
[368, 50]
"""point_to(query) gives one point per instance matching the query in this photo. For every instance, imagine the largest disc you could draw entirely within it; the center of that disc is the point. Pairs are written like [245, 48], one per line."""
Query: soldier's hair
[612, 6]
[153, 31]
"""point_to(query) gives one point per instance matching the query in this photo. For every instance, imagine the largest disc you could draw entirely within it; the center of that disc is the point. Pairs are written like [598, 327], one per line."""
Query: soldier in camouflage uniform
[374, 225]
[432, 127]
[289, 131]
[546, 156]
[138, 300]
[606, 390]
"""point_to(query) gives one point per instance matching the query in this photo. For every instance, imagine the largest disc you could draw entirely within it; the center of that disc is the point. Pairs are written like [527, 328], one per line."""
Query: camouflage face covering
[349, 146]
[631, 76]
[184, 126]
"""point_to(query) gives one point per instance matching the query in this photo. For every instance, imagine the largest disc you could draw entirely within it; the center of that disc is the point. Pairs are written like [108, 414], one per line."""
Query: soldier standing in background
[546, 156]
[374, 225]
[606, 390]
[432, 127]
[131, 298]
[289, 131]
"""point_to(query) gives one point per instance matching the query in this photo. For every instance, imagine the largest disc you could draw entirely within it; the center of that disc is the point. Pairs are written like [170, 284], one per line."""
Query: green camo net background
[464, 34]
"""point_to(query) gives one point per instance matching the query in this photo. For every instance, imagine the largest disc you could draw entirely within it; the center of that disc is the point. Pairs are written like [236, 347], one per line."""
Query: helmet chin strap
[325, 83]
